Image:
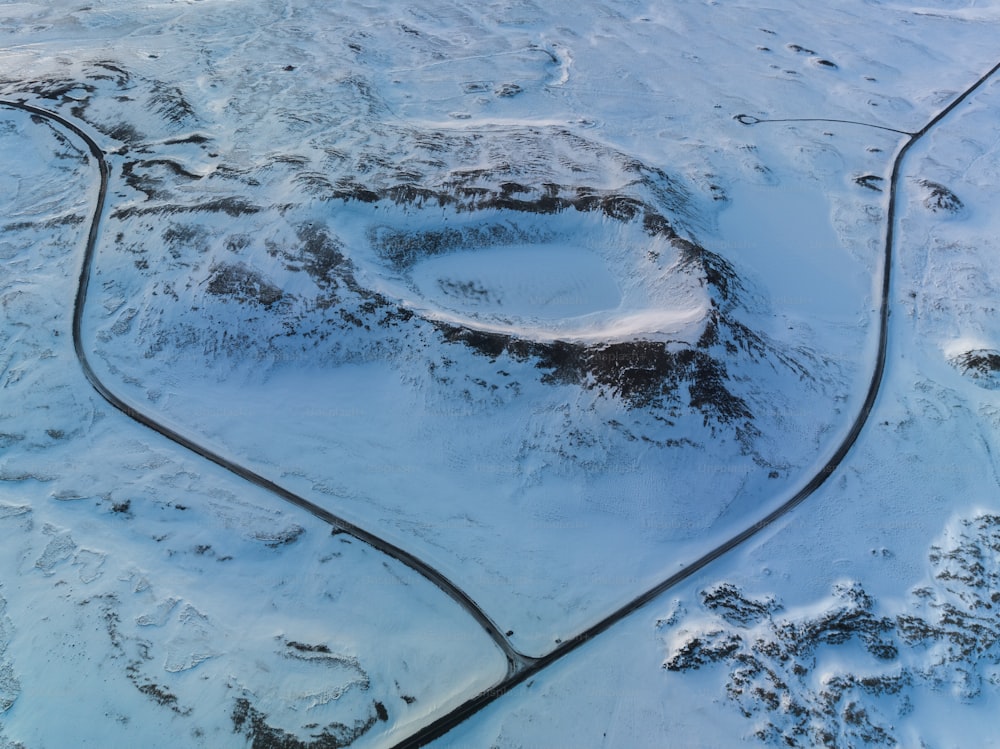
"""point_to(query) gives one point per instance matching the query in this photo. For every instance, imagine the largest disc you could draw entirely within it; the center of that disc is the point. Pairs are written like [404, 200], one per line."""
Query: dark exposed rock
[728, 602]
[642, 373]
[171, 104]
[871, 181]
[243, 284]
[234, 207]
[697, 652]
[773, 662]
[253, 724]
[940, 198]
[980, 365]
[403, 247]
[304, 648]
[322, 256]
[157, 693]
[506, 90]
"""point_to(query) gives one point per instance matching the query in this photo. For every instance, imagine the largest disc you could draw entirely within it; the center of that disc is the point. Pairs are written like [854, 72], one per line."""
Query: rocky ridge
[786, 671]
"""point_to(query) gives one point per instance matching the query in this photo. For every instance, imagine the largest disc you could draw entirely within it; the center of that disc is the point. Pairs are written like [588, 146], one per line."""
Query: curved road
[444, 724]
[515, 660]
[519, 666]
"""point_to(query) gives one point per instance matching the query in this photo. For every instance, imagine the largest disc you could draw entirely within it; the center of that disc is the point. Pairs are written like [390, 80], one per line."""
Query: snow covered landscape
[499, 374]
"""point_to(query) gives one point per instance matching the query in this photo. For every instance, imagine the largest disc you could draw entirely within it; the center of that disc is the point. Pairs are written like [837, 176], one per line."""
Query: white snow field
[512, 287]
[867, 617]
[150, 599]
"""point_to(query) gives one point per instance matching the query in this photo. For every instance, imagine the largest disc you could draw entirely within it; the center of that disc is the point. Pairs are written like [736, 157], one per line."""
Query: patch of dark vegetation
[403, 247]
[304, 648]
[289, 158]
[143, 182]
[196, 138]
[348, 189]
[871, 181]
[250, 722]
[729, 602]
[157, 693]
[123, 133]
[123, 507]
[234, 207]
[118, 74]
[180, 237]
[53, 89]
[71, 219]
[511, 188]
[322, 255]
[171, 104]
[514, 170]
[243, 284]
[940, 198]
[323, 258]
[464, 290]
[170, 165]
[767, 679]
[982, 365]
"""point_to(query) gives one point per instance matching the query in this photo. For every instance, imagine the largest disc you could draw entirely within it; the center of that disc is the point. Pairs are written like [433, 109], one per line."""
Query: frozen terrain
[143, 593]
[512, 287]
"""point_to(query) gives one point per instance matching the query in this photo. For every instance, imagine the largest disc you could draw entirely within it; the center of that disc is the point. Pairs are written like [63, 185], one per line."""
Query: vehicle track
[749, 119]
[520, 667]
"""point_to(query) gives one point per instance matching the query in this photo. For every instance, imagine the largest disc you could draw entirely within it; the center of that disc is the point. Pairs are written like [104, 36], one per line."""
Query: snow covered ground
[144, 594]
[510, 286]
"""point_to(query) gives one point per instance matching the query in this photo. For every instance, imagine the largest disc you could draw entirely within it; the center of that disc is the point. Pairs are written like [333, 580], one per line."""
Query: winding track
[445, 723]
[749, 119]
[515, 660]
[519, 666]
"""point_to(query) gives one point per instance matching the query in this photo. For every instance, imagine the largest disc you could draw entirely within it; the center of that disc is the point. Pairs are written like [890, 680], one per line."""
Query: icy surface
[185, 594]
[508, 285]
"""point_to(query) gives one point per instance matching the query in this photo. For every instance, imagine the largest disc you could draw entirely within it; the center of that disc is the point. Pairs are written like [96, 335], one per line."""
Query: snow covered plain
[335, 250]
[149, 599]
